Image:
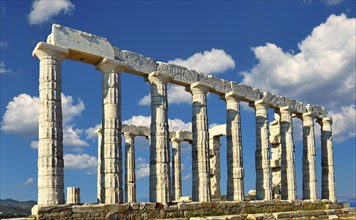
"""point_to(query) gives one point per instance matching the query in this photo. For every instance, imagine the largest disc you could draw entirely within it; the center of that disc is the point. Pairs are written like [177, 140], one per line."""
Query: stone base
[145, 210]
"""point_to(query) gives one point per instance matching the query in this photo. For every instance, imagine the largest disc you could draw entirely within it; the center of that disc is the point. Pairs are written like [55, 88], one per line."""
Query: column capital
[98, 131]
[198, 88]
[175, 139]
[44, 50]
[285, 109]
[308, 116]
[231, 97]
[325, 121]
[158, 78]
[107, 65]
[128, 135]
[259, 104]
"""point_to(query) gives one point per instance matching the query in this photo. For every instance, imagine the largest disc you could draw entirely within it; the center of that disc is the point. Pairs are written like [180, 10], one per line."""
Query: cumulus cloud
[176, 95]
[322, 73]
[142, 168]
[332, 2]
[27, 125]
[174, 124]
[186, 177]
[90, 132]
[43, 11]
[209, 62]
[81, 162]
[28, 182]
[3, 68]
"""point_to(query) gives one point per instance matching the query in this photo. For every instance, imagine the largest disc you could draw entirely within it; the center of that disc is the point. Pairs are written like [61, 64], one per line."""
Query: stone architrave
[214, 159]
[130, 177]
[235, 170]
[99, 133]
[276, 153]
[327, 161]
[200, 143]
[176, 169]
[288, 182]
[50, 130]
[262, 153]
[309, 169]
[159, 149]
[111, 153]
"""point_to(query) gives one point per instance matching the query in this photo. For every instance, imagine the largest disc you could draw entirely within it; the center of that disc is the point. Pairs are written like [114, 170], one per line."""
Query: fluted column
[130, 177]
[262, 153]
[327, 161]
[98, 185]
[50, 133]
[276, 152]
[309, 169]
[200, 145]
[176, 169]
[235, 170]
[288, 182]
[159, 150]
[111, 166]
[214, 146]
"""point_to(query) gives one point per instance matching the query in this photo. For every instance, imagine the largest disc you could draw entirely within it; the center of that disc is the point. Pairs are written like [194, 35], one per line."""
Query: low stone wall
[145, 210]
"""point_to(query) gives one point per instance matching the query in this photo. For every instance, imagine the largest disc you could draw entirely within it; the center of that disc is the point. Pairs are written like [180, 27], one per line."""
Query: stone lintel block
[248, 93]
[82, 46]
[218, 86]
[217, 131]
[181, 75]
[136, 63]
[55, 50]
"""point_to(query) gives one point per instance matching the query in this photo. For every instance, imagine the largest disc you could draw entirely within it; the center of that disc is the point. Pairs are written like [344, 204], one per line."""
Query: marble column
[159, 148]
[234, 156]
[111, 153]
[50, 129]
[327, 161]
[288, 182]
[98, 185]
[130, 177]
[176, 169]
[200, 144]
[276, 154]
[73, 195]
[214, 159]
[262, 153]
[309, 169]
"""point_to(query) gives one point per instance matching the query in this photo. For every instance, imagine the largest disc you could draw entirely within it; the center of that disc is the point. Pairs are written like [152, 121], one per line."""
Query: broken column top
[89, 48]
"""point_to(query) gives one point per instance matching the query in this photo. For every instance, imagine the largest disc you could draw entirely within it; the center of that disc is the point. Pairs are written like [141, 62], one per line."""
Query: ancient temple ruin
[275, 174]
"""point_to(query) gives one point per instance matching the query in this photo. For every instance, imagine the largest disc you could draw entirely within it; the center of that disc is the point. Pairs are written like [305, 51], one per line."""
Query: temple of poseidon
[116, 194]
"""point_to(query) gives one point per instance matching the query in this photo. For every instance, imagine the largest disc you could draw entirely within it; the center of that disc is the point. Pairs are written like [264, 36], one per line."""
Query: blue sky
[299, 49]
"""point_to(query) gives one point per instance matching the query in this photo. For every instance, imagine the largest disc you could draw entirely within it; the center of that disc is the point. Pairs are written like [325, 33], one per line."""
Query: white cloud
[27, 124]
[44, 10]
[3, 69]
[71, 137]
[81, 162]
[139, 120]
[344, 123]
[332, 2]
[322, 73]
[89, 132]
[142, 168]
[174, 124]
[27, 107]
[3, 44]
[28, 182]
[34, 144]
[186, 176]
[208, 62]
[176, 95]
